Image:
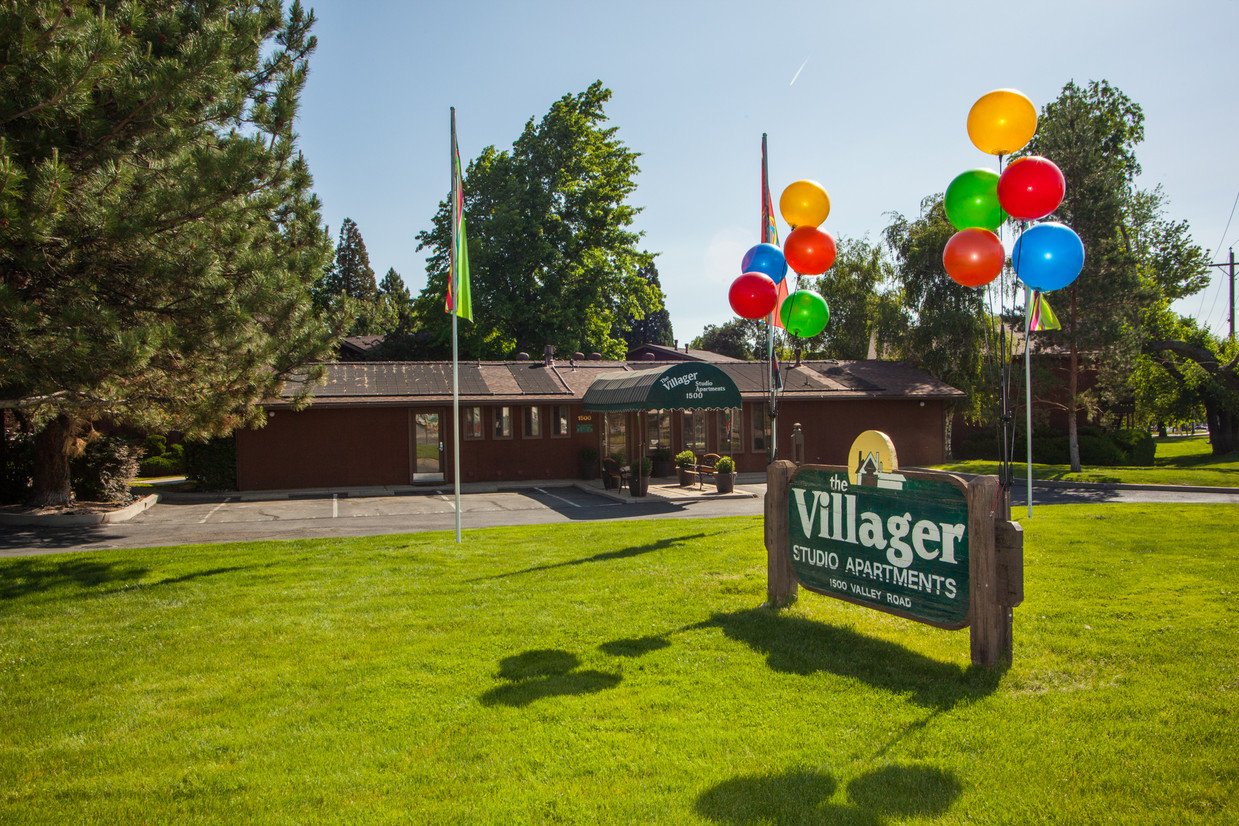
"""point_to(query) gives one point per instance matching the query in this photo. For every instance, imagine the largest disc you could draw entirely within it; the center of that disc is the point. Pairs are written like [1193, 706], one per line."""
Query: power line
[1227, 229]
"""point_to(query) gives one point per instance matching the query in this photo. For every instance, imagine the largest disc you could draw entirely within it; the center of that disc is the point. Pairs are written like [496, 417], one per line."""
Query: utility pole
[1231, 292]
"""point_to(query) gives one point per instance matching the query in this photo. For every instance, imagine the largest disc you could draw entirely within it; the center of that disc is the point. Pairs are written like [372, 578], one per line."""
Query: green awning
[685, 385]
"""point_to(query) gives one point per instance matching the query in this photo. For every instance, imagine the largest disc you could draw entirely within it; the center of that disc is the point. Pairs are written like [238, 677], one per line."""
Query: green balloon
[972, 200]
[804, 313]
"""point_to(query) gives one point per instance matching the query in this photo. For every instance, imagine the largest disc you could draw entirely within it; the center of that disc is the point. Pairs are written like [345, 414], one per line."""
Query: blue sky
[877, 114]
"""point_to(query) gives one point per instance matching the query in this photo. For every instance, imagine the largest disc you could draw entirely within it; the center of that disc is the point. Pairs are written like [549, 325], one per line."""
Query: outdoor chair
[614, 476]
[705, 466]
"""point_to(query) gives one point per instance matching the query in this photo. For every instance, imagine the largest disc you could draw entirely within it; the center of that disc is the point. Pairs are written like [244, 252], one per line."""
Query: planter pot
[639, 485]
[726, 482]
[662, 467]
[687, 477]
[589, 470]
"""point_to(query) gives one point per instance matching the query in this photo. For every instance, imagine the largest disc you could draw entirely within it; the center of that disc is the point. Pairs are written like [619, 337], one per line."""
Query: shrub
[103, 471]
[155, 445]
[1137, 445]
[725, 465]
[685, 458]
[167, 465]
[212, 464]
[647, 466]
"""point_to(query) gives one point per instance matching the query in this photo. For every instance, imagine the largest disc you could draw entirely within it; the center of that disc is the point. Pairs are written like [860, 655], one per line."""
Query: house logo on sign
[872, 462]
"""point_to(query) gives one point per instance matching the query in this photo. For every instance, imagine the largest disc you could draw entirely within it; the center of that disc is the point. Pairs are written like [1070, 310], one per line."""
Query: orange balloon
[973, 257]
[804, 204]
[1002, 121]
[809, 250]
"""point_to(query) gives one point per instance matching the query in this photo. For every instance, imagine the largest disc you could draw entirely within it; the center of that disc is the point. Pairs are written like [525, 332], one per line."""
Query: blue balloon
[1048, 256]
[767, 259]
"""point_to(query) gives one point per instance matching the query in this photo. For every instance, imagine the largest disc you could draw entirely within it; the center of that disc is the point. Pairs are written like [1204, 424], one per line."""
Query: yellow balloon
[804, 204]
[1002, 122]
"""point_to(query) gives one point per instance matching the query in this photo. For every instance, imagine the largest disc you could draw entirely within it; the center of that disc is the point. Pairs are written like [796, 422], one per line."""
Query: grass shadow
[806, 796]
[606, 556]
[637, 647]
[537, 675]
[36, 575]
[795, 645]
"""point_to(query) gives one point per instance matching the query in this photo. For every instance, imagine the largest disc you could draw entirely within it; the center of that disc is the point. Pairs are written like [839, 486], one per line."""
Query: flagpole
[772, 450]
[454, 287]
[1028, 389]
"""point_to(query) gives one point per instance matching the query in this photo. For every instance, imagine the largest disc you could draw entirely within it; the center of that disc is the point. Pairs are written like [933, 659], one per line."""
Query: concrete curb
[1056, 483]
[75, 520]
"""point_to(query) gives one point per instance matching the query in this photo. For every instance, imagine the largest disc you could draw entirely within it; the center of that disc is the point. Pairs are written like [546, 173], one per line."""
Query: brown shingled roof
[431, 381]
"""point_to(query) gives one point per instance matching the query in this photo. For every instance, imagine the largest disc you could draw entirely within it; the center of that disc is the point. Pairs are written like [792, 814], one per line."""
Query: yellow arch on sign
[874, 449]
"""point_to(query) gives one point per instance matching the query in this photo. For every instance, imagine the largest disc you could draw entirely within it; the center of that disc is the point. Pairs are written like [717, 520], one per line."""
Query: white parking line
[560, 498]
[203, 520]
[335, 506]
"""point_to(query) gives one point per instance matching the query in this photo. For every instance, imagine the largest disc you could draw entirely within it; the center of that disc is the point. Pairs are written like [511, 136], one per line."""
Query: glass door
[427, 448]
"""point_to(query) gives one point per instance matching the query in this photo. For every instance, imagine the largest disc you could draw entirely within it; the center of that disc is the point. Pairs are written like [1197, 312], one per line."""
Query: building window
[615, 436]
[761, 429]
[658, 429]
[695, 431]
[560, 421]
[473, 428]
[503, 422]
[730, 437]
[533, 422]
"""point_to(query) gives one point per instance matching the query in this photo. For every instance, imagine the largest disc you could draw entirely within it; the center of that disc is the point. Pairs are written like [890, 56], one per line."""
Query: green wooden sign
[897, 542]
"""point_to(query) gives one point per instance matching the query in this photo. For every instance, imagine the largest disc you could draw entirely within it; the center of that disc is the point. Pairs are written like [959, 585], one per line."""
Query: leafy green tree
[739, 338]
[1203, 372]
[947, 329]
[655, 326]
[864, 306]
[158, 234]
[1134, 257]
[553, 258]
[1091, 133]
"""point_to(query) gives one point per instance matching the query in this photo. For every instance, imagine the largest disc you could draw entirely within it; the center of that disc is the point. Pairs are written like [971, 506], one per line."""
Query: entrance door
[427, 448]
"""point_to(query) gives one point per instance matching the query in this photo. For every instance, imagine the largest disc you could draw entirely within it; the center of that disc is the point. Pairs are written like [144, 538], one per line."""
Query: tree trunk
[1223, 430]
[52, 448]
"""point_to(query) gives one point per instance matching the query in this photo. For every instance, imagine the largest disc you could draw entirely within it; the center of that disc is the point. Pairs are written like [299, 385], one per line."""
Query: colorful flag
[1042, 316]
[459, 298]
[770, 231]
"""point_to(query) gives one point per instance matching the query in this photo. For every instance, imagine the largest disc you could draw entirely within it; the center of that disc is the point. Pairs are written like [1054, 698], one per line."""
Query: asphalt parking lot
[188, 519]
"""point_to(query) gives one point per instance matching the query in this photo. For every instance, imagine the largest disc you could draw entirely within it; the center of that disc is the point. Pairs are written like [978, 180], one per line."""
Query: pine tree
[158, 233]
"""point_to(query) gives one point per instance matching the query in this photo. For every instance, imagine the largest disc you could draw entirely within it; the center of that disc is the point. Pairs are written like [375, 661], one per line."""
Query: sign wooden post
[928, 546]
[780, 581]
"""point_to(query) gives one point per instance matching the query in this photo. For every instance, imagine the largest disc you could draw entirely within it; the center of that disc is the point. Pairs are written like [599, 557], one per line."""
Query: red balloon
[809, 250]
[973, 257]
[753, 295]
[1031, 188]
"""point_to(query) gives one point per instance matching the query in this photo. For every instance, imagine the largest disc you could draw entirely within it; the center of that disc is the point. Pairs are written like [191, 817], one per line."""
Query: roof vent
[647, 357]
[522, 357]
[595, 356]
[578, 357]
[548, 355]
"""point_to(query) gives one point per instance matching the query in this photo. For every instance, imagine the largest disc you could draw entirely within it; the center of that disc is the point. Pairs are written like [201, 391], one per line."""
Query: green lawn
[615, 673]
[1180, 460]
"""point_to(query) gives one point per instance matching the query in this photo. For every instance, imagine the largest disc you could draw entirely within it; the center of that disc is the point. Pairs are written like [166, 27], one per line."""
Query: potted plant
[685, 460]
[725, 474]
[661, 456]
[589, 462]
[639, 482]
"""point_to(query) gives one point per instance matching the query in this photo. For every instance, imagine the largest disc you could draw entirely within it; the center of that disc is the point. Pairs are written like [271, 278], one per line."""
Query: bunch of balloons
[1047, 256]
[807, 249]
